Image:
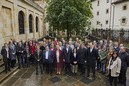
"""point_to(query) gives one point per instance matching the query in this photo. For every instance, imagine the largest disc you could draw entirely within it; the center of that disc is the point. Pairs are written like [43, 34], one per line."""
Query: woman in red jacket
[32, 50]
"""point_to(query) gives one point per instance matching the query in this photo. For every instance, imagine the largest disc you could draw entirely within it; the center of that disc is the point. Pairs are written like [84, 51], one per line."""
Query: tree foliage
[70, 15]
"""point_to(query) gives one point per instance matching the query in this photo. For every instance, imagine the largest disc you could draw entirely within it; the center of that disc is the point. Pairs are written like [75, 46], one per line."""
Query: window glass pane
[21, 22]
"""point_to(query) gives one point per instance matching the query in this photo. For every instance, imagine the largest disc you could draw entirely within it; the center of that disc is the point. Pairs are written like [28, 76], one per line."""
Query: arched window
[37, 24]
[21, 22]
[30, 24]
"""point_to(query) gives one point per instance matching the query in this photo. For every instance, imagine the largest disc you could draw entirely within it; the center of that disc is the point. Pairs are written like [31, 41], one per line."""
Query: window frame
[30, 23]
[37, 24]
[21, 22]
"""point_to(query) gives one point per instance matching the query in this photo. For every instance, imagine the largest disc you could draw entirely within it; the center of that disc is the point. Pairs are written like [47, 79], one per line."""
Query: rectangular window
[123, 20]
[106, 21]
[97, 22]
[107, 1]
[107, 11]
[98, 13]
[98, 3]
[125, 7]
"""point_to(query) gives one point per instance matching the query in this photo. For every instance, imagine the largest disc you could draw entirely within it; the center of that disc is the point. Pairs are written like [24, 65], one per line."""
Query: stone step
[1, 66]
[4, 76]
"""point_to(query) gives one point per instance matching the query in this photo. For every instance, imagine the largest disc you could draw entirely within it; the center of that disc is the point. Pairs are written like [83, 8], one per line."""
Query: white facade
[108, 15]
[120, 14]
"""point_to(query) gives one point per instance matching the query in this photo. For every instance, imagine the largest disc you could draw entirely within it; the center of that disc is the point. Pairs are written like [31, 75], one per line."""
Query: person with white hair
[71, 45]
[116, 47]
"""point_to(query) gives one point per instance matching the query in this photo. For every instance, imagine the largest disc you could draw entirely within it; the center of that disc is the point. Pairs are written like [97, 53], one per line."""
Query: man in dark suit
[92, 56]
[81, 59]
[124, 65]
[48, 59]
[67, 53]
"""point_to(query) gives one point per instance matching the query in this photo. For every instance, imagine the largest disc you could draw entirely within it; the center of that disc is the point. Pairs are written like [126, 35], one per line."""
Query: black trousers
[13, 62]
[32, 59]
[112, 79]
[122, 76]
[7, 65]
[81, 68]
[48, 67]
[92, 67]
[67, 68]
[38, 65]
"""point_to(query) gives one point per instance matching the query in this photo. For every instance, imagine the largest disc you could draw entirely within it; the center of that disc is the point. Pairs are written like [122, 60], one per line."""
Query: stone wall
[9, 25]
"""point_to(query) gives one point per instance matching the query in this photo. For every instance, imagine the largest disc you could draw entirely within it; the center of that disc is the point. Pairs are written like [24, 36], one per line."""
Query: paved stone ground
[28, 77]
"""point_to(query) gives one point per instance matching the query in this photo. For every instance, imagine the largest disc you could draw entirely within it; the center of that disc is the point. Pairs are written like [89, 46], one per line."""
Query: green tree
[69, 15]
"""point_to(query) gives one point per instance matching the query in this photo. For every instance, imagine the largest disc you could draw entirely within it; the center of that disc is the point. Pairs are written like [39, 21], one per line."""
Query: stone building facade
[21, 20]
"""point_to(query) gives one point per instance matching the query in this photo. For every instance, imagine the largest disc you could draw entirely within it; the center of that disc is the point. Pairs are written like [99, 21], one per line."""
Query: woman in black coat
[74, 61]
[6, 59]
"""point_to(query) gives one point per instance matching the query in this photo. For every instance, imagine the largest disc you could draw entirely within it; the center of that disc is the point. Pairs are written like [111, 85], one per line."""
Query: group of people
[70, 56]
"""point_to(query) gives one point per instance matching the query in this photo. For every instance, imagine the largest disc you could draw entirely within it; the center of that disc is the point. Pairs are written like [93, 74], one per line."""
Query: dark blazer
[74, 58]
[4, 54]
[67, 55]
[81, 55]
[36, 56]
[12, 52]
[92, 56]
[123, 56]
[50, 56]
[20, 50]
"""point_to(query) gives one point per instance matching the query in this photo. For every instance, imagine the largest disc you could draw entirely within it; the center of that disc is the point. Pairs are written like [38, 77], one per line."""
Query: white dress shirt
[57, 56]
[67, 49]
[91, 49]
[46, 55]
[7, 52]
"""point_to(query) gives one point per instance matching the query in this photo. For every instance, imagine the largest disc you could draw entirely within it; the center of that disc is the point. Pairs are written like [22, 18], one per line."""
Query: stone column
[26, 24]
[15, 26]
[41, 27]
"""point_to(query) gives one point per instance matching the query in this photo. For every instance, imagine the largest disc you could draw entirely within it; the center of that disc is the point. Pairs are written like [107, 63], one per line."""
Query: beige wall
[9, 27]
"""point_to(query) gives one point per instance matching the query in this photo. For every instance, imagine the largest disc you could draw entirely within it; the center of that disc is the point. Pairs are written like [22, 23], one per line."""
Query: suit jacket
[115, 67]
[67, 55]
[4, 54]
[50, 56]
[38, 57]
[74, 58]
[81, 55]
[12, 52]
[92, 56]
[123, 56]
